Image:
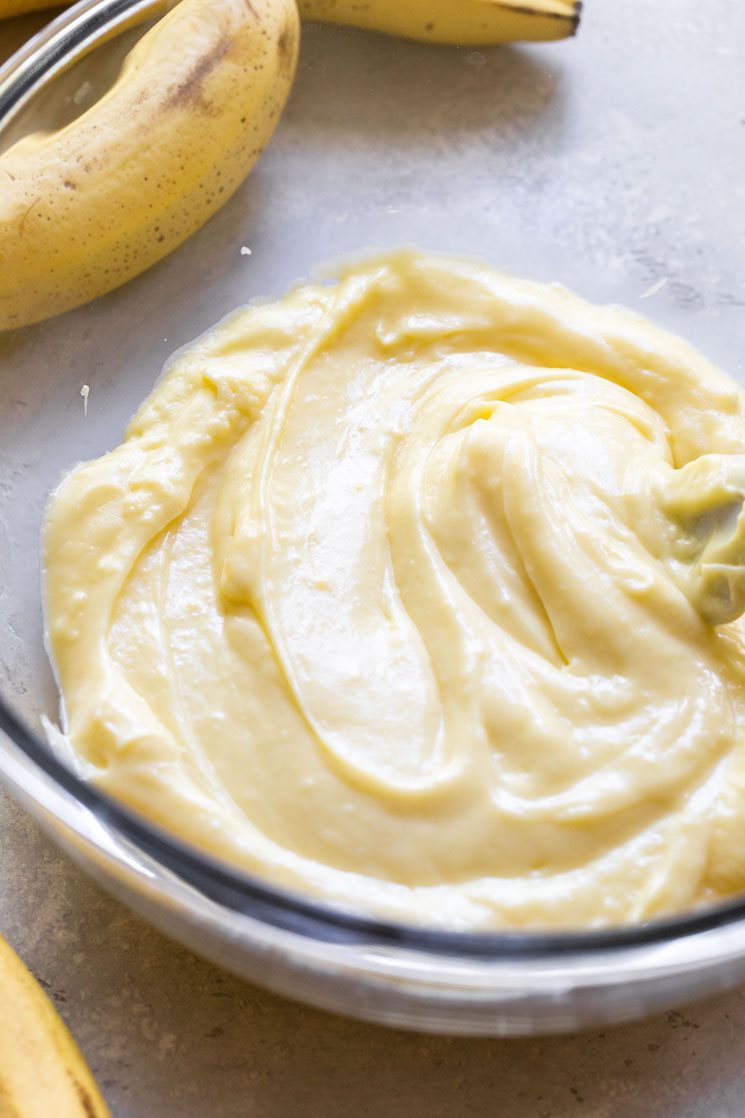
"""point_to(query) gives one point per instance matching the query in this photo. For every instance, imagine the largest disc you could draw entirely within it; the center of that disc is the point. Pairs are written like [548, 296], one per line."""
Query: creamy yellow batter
[402, 592]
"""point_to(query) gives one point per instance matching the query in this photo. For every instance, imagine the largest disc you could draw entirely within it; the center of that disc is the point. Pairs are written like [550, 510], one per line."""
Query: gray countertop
[610, 163]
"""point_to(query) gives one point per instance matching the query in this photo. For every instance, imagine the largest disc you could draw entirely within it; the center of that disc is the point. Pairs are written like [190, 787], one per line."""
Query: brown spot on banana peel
[286, 45]
[22, 223]
[572, 18]
[190, 90]
[86, 1101]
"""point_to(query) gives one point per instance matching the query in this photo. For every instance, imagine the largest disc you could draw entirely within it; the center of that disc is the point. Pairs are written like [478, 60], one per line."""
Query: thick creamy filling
[403, 592]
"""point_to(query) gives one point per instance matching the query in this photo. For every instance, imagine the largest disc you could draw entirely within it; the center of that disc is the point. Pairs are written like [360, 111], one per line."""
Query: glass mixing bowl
[549, 162]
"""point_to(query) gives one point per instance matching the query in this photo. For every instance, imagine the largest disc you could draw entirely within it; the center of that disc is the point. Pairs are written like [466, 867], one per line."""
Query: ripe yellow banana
[465, 22]
[42, 1074]
[438, 21]
[84, 209]
[20, 7]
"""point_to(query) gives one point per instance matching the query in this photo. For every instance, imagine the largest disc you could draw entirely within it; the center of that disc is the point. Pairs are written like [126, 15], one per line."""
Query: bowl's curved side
[509, 996]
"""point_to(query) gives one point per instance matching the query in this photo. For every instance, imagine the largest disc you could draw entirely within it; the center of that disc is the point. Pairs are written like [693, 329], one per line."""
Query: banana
[20, 7]
[463, 22]
[84, 209]
[42, 1074]
[15, 32]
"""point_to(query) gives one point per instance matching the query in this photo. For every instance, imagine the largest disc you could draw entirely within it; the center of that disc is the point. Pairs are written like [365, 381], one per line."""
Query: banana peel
[10, 8]
[42, 1073]
[86, 208]
[460, 22]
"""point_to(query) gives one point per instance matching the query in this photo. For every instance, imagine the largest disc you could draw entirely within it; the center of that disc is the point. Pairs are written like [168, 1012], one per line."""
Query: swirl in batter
[418, 593]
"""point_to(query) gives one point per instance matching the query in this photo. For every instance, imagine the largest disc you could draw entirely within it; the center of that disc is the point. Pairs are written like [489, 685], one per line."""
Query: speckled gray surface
[612, 163]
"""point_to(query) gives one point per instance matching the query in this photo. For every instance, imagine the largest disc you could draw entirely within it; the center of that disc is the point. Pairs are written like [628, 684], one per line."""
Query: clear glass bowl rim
[78, 30]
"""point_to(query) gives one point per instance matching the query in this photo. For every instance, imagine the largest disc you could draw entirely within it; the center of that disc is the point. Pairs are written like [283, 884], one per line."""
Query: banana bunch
[87, 208]
[42, 1074]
